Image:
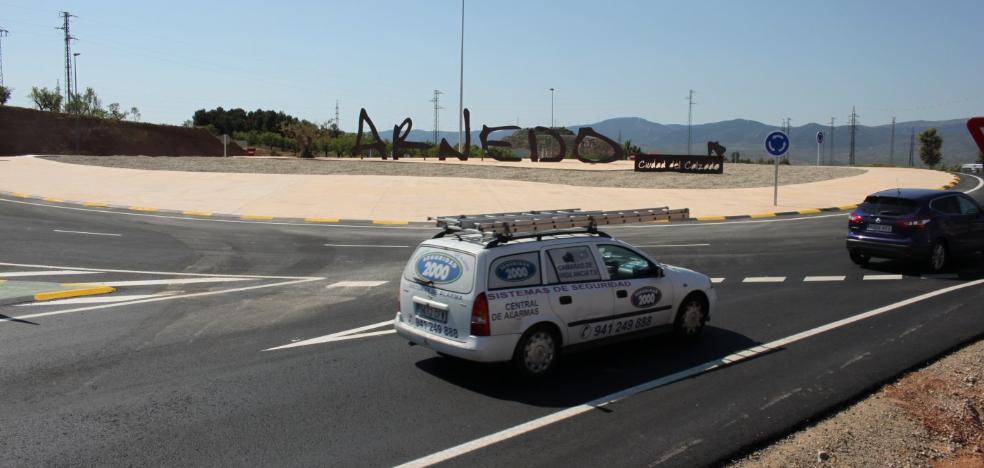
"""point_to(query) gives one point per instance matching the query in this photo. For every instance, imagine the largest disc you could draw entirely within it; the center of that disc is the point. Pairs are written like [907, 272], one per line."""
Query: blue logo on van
[515, 270]
[646, 297]
[439, 268]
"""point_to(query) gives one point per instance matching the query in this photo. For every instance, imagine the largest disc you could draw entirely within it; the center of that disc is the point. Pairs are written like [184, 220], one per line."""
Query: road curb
[75, 291]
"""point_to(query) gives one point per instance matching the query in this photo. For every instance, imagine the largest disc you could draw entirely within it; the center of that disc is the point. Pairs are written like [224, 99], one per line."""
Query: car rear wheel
[860, 258]
[937, 257]
[537, 351]
[691, 317]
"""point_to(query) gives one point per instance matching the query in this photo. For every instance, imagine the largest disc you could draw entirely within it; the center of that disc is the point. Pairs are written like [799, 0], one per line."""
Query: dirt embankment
[27, 131]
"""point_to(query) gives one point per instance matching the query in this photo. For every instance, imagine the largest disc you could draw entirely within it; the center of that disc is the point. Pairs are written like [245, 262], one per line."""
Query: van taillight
[480, 316]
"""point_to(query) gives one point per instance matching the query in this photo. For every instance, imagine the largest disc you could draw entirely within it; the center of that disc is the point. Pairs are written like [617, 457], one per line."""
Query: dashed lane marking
[18, 274]
[882, 277]
[98, 300]
[717, 280]
[764, 279]
[815, 279]
[356, 284]
[171, 281]
[368, 246]
[169, 273]
[341, 336]
[88, 233]
[606, 400]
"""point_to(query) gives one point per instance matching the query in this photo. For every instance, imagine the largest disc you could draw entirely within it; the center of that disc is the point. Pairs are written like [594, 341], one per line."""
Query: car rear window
[450, 270]
[888, 206]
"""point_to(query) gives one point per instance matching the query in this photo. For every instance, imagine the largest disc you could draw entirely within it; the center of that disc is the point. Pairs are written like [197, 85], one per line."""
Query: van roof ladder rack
[503, 226]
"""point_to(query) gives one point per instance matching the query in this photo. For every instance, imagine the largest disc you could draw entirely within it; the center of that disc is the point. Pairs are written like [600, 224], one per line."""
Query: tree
[630, 148]
[134, 114]
[46, 99]
[5, 94]
[304, 133]
[115, 113]
[930, 147]
[87, 103]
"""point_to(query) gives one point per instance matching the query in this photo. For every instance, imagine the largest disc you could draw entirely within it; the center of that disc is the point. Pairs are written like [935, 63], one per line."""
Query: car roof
[911, 193]
[475, 247]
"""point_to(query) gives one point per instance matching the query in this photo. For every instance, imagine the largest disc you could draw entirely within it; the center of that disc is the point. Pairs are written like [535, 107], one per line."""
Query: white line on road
[370, 246]
[673, 245]
[356, 284]
[99, 299]
[341, 336]
[980, 183]
[568, 413]
[717, 280]
[764, 279]
[17, 274]
[88, 233]
[158, 299]
[172, 281]
[172, 273]
[882, 277]
[817, 279]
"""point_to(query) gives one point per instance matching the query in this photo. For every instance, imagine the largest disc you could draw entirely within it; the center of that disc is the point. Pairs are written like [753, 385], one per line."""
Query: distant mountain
[872, 143]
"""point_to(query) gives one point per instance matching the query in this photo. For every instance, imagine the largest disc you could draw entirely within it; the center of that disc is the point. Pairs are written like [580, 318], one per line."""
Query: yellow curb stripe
[89, 291]
[710, 218]
[196, 213]
[94, 204]
[847, 207]
[20, 195]
[763, 215]
[320, 220]
[53, 200]
[389, 222]
[809, 211]
[256, 218]
[143, 208]
[660, 221]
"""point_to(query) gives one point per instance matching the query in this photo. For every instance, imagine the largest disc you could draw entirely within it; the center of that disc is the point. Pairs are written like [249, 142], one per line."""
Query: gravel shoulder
[930, 417]
[735, 175]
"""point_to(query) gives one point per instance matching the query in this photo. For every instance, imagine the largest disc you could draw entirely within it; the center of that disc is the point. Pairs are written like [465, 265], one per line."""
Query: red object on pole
[976, 127]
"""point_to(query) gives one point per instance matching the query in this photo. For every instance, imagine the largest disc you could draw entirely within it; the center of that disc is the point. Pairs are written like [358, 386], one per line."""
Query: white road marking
[717, 280]
[171, 273]
[17, 274]
[159, 299]
[568, 413]
[673, 245]
[172, 281]
[340, 336]
[370, 246]
[674, 225]
[99, 299]
[980, 183]
[816, 279]
[88, 233]
[356, 284]
[882, 277]
[764, 279]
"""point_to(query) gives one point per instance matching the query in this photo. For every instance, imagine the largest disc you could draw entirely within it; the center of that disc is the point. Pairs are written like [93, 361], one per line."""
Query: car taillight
[912, 223]
[855, 218]
[480, 316]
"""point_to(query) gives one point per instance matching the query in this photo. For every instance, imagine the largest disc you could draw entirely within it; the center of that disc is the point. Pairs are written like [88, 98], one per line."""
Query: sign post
[819, 144]
[776, 144]
[225, 146]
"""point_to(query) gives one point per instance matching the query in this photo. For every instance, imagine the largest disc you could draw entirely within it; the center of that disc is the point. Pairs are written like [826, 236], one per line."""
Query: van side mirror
[658, 271]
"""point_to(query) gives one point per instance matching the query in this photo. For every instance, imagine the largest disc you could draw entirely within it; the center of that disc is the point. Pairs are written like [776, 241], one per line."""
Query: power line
[830, 157]
[853, 119]
[891, 151]
[68, 53]
[3, 32]
[437, 114]
[690, 120]
[338, 124]
[912, 145]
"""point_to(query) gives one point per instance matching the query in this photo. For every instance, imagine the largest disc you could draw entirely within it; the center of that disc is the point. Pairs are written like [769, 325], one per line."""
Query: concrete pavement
[332, 197]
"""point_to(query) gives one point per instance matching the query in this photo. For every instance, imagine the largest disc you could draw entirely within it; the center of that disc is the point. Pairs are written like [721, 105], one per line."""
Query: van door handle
[565, 300]
[621, 294]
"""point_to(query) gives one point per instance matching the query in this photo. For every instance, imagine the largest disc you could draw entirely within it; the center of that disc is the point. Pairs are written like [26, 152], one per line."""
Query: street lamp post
[75, 65]
[461, 83]
[551, 108]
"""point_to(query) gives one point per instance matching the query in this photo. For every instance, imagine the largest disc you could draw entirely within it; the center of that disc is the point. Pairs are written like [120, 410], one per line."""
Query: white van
[521, 287]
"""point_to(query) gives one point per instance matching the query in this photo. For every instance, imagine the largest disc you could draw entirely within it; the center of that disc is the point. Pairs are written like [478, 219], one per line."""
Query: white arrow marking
[356, 284]
[340, 336]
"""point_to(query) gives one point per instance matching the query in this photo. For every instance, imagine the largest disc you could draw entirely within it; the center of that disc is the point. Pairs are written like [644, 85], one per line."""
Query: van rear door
[439, 286]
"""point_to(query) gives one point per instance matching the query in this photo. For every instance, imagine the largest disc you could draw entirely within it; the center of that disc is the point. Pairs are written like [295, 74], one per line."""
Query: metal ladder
[505, 225]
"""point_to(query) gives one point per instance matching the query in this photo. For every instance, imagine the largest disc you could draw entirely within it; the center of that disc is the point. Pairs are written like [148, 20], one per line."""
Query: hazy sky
[761, 60]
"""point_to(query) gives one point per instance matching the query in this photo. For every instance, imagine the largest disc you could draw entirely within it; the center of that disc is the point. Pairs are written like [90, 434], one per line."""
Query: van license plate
[880, 228]
[431, 313]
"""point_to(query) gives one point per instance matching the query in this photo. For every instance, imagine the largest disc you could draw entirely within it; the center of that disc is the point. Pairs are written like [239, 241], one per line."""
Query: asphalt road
[176, 373]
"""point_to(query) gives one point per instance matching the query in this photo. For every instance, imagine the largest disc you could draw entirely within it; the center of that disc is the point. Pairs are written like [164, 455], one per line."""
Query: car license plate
[880, 228]
[431, 313]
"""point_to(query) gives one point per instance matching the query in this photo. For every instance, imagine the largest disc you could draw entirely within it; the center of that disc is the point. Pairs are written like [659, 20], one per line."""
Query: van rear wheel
[537, 351]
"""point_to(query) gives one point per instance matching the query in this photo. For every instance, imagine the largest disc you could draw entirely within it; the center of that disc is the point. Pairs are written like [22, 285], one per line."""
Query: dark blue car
[927, 226]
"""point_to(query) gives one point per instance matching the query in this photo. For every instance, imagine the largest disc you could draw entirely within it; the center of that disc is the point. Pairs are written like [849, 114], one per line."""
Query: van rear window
[446, 269]
[888, 206]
